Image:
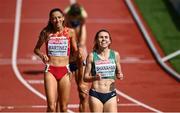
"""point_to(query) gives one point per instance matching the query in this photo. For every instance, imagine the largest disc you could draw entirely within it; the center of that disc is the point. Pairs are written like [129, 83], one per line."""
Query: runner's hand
[45, 58]
[120, 76]
[98, 76]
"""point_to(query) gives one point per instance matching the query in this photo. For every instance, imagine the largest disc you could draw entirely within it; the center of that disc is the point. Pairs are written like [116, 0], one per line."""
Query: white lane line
[89, 20]
[136, 60]
[137, 102]
[15, 48]
[10, 107]
[110, 20]
[19, 61]
[74, 106]
[128, 104]
[131, 60]
[35, 81]
[170, 56]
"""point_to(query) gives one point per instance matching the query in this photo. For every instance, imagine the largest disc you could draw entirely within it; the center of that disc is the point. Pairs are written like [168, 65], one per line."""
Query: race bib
[58, 46]
[105, 67]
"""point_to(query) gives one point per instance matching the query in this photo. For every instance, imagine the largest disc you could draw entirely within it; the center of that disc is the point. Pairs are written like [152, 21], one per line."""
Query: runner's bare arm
[73, 41]
[88, 75]
[38, 46]
[82, 39]
[119, 73]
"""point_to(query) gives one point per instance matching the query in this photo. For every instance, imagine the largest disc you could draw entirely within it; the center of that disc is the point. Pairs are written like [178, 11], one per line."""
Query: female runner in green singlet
[102, 69]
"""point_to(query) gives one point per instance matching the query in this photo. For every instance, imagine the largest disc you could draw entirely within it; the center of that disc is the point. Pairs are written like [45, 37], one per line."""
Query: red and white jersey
[59, 44]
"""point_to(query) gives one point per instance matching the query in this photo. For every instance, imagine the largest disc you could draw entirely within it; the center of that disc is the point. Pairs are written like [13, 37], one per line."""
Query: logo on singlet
[113, 94]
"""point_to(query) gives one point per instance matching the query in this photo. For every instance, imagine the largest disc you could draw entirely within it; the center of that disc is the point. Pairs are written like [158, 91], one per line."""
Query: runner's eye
[59, 17]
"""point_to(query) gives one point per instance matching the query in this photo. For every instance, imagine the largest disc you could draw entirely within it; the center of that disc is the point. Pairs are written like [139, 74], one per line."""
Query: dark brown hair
[96, 47]
[49, 27]
[75, 10]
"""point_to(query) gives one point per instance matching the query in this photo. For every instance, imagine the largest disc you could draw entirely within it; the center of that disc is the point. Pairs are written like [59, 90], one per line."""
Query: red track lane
[144, 80]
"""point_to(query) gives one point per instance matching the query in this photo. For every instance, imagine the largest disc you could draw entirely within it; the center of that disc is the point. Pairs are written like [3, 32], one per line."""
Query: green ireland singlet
[106, 68]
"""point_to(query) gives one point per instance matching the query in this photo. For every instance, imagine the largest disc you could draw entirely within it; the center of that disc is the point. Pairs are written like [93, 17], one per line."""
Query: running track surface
[146, 87]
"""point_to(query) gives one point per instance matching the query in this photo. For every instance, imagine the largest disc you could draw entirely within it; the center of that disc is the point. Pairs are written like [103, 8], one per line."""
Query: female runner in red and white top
[59, 40]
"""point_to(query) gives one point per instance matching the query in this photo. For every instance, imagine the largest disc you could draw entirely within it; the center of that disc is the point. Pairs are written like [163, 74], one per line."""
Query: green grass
[164, 24]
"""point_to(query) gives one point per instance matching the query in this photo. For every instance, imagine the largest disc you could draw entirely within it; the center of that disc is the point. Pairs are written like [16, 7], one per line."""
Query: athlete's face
[57, 19]
[104, 39]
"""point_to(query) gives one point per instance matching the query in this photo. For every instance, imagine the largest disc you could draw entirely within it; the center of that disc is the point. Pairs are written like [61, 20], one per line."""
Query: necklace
[104, 55]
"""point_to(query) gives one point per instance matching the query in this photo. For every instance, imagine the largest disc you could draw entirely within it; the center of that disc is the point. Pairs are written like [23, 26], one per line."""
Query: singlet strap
[95, 56]
[112, 54]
